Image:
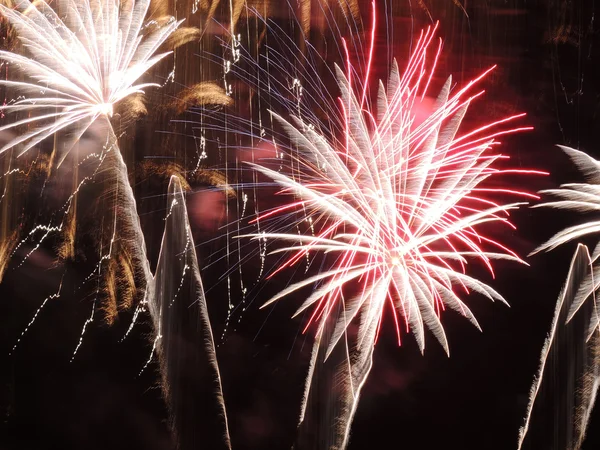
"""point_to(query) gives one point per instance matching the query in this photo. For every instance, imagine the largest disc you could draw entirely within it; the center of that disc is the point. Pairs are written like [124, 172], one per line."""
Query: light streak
[37, 312]
[570, 342]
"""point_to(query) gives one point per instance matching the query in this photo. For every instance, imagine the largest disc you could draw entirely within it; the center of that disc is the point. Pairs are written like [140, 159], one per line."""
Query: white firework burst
[401, 206]
[400, 203]
[574, 338]
[583, 198]
[80, 64]
[580, 197]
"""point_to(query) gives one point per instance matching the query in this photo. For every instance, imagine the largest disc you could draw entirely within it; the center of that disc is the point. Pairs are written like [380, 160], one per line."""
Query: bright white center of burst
[395, 261]
[105, 108]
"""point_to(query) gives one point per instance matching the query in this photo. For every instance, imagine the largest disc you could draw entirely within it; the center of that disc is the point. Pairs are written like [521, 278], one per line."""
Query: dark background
[547, 52]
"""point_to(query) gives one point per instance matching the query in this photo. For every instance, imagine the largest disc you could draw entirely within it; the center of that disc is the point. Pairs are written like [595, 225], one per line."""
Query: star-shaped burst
[80, 64]
[399, 203]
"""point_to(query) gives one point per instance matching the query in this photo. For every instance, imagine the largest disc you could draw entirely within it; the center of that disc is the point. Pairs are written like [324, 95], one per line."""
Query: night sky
[549, 66]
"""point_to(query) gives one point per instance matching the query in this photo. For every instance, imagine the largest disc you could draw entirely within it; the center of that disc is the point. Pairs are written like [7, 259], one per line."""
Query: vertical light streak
[574, 334]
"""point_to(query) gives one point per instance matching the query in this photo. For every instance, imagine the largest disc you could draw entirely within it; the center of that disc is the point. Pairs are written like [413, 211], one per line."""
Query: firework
[580, 197]
[568, 377]
[400, 206]
[81, 64]
[574, 339]
[86, 58]
[408, 199]
[180, 296]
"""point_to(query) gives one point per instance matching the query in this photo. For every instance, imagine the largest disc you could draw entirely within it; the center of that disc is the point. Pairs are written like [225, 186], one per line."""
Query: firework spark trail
[568, 377]
[178, 258]
[580, 197]
[576, 323]
[399, 204]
